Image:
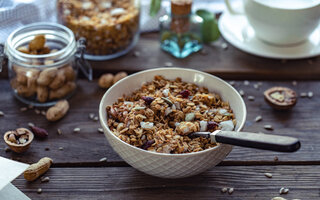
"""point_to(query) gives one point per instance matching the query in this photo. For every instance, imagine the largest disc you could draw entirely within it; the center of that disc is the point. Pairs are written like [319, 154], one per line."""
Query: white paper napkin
[9, 170]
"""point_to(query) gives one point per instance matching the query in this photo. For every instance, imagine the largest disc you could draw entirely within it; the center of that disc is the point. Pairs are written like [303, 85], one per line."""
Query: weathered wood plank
[230, 63]
[128, 183]
[90, 146]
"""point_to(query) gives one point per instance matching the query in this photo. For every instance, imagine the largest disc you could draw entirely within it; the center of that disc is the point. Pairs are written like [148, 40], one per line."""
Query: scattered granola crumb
[251, 98]
[31, 124]
[168, 64]
[230, 191]
[39, 191]
[45, 179]
[256, 86]
[310, 94]
[224, 190]
[283, 190]
[96, 118]
[241, 92]
[37, 111]
[43, 112]
[303, 94]
[246, 82]
[258, 118]
[76, 130]
[1, 113]
[59, 131]
[232, 83]
[276, 159]
[268, 127]
[268, 175]
[100, 130]
[294, 83]
[60, 148]
[47, 149]
[30, 106]
[23, 109]
[103, 159]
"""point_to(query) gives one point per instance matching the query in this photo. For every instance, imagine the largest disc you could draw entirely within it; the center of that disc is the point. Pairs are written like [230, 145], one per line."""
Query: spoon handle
[257, 140]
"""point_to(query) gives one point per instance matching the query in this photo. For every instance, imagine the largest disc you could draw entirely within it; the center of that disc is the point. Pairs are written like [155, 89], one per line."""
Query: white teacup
[281, 22]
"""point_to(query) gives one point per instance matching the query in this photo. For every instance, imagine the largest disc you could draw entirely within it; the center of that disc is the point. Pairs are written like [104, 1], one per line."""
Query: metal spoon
[252, 140]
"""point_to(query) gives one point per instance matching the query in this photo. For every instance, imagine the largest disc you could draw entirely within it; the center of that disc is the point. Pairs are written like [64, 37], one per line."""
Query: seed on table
[230, 191]
[96, 118]
[310, 94]
[224, 190]
[45, 179]
[276, 159]
[256, 86]
[76, 130]
[31, 124]
[224, 46]
[258, 118]
[59, 131]
[46, 149]
[100, 130]
[268, 127]
[136, 53]
[103, 159]
[283, 190]
[91, 116]
[37, 111]
[303, 94]
[268, 175]
[294, 83]
[60, 148]
[1, 113]
[278, 198]
[39, 191]
[246, 82]
[241, 92]
[23, 109]
[168, 64]
[43, 112]
[251, 98]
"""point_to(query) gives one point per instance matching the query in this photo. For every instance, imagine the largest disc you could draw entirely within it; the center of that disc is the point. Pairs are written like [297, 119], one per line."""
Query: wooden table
[77, 172]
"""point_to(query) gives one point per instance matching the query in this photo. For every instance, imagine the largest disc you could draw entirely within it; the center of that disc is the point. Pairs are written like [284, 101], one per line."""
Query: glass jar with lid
[111, 27]
[43, 61]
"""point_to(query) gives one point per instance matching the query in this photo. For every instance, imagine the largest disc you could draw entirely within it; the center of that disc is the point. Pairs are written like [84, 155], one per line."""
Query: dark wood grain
[89, 146]
[230, 63]
[249, 183]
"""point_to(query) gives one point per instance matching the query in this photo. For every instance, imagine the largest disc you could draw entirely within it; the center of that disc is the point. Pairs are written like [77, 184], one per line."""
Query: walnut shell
[280, 98]
[19, 148]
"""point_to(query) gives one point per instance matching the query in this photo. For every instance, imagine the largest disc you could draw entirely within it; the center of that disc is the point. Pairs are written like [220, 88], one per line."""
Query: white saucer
[236, 30]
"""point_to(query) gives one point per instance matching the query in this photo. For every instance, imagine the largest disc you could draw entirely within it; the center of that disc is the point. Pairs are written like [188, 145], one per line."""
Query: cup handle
[231, 9]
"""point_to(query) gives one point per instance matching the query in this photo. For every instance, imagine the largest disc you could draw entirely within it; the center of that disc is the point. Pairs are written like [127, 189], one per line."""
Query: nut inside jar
[42, 81]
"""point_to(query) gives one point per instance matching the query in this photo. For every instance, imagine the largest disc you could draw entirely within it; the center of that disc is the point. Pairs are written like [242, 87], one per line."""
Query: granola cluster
[109, 26]
[162, 113]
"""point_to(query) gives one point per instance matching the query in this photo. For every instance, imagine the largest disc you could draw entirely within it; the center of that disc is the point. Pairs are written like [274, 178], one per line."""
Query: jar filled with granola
[43, 61]
[111, 27]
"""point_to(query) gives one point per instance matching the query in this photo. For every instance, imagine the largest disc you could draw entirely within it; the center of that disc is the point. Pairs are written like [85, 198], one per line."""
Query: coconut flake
[226, 125]
[106, 4]
[117, 11]
[168, 111]
[173, 107]
[165, 92]
[177, 124]
[86, 5]
[177, 104]
[146, 125]
[203, 126]
[128, 103]
[222, 111]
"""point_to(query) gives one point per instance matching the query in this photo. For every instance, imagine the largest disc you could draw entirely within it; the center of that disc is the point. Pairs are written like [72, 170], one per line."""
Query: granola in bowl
[161, 114]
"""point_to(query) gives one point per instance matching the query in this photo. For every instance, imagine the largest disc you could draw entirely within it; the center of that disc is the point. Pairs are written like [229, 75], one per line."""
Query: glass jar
[111, 27]
[43, 61]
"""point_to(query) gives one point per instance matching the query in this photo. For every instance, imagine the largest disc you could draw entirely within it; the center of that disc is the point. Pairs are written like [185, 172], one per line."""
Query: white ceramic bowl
[171, 165]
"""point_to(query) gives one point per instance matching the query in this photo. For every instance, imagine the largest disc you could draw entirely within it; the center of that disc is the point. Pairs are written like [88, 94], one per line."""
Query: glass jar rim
[68, 50]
